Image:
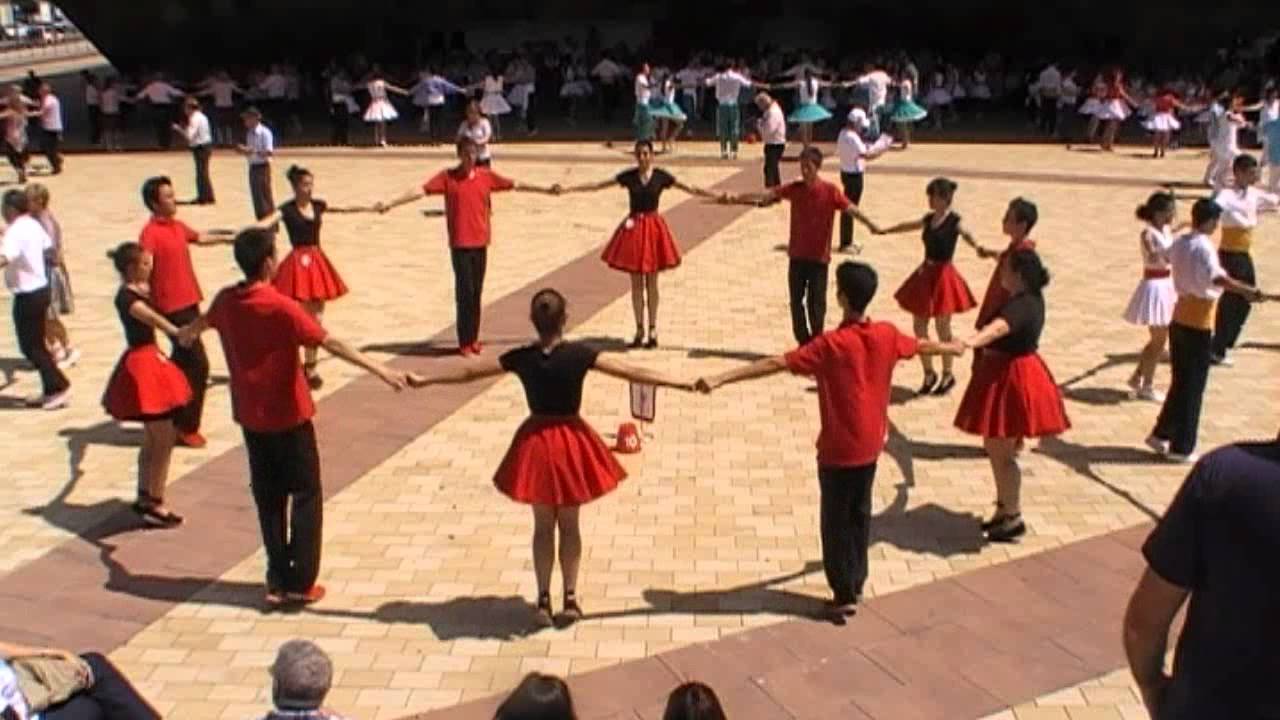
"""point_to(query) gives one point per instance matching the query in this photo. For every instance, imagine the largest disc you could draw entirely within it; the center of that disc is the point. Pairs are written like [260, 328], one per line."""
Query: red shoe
[465, 351]
[313, 595]
[192, 440]
[476, 348]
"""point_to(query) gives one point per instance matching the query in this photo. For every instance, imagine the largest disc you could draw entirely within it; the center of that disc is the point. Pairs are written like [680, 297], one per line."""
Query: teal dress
[905, 110]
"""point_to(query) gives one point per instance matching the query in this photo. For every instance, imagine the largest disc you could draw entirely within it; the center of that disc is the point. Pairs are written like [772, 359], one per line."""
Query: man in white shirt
[22, 256]
[854, 152]
[1049, 87]
[199, 135]
[877, 82]
[274, 89]
[728, 83]
[1225, 121]
[51, 127]
[773, 133]
[690, 80]
[93, 105]
[258, 147]
[161, 95]
[609, 74]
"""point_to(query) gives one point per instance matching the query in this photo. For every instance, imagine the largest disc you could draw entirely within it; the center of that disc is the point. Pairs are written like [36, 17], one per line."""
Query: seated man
[300, 680]
[96, 688]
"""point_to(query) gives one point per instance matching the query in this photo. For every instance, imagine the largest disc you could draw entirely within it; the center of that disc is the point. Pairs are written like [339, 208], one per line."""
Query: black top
[940, 241]
[303, 231]
[1025, 314]
[136, 332]
[552, 381]
[644, 198]
[1219, 539]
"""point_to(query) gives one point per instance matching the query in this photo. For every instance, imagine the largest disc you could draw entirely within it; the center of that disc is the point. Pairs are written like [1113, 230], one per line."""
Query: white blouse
[1154, 244]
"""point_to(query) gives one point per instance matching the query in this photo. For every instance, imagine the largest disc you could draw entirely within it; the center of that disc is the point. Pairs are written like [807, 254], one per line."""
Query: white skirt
[937, 97]
[1092, 106]
[1152, 303]
[576, 89]
[1163, 122]
[519, 94]
[1113, 110]
[380, 111]
[494, 104]
[981, 92]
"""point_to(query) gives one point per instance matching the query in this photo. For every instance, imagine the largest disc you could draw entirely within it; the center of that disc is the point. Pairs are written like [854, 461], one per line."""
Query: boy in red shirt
[467, 207]
[1018, 221]
[814, 205]
[853, 365]
[261, 331]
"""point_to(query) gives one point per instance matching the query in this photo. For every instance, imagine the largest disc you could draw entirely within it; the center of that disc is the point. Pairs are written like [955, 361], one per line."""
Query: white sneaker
[1158, 446]
[68, 359]
[1190, 459]
[1149, 394]
[1224, 361]
[58, 401]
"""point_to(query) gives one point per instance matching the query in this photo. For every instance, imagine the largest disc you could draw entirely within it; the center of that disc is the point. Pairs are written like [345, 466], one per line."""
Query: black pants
[468, 287]
[1048, 115]
[194, 364]
[50, 143]
[807, 282]
[339, 124]
[111, 697]
[284, 474]
[773, 156]
[260, 190]
[17, 158]
[1233, 309]
[29, 312]
[162, 123]
[1179, 420]
[95, 124]
[204, 183]
[853, 190]
[846, 527]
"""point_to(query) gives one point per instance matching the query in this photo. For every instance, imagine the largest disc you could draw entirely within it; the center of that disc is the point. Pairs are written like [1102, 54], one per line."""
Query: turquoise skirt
[809, 113]
[906, 111]
[643, 122]
[664, 110]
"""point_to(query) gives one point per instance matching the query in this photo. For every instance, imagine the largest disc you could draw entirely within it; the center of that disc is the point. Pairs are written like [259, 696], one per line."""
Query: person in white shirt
[199, 135]
[728, 83]
[1225, 121]
[1049, 89]
[342, 105]
[1240, 206]
[258, 147]
[274, 89]
[429, 95]
[642, 117]
[691, 79]
[773, 133]
[223, 90]
[476, 128]
[609, 73]
[22, 256]
[110, 100]
[161, 95]
[93, 105]
[51, 127]
[854, 152]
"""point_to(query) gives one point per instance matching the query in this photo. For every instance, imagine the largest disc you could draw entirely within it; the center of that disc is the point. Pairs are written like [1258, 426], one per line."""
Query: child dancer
[938, 99]
[642, 246]
[306, 275]
[556, 463]
[429, 94]
[1092, 108]
[63, 300]
[493, 104]
[905, 111]
[808, 111]
[380, 110]
[671, 117]
[575, 85]
[1240, 206]
[936, 290]
[642, 118]
[1226, 117]
[1152, 303]
[15, 116]
[477, 130]
[1164, 123]
[146, 386]
[1115, 108]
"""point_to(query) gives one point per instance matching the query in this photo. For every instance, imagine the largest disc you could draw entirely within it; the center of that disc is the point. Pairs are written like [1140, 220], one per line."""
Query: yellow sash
[1236, 239]
[1194, 312]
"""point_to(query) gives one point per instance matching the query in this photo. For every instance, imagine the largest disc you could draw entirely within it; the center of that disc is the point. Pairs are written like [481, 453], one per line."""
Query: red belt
[1154, 273]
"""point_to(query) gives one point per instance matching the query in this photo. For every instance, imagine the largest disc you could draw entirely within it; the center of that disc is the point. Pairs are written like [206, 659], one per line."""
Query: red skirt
[642, 244]
[145, 384]
[935, 289]
[1012, 397]
[557, 461]
[307, 275]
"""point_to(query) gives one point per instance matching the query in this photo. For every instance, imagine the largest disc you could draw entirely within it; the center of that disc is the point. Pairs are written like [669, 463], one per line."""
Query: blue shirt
[1271, 132]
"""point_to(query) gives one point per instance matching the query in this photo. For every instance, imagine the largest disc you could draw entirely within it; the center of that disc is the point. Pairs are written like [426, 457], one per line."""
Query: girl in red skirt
[1012, 395]
[935, 290]
[556, 463]
[145, 386]
[306, 275]
[642, 245]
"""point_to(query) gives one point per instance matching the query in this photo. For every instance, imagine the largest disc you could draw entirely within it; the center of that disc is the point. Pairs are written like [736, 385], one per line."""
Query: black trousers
[29, 312]
[853, 190]
[339, 124]
[95, 124]
[468, 287]
[772, 157]
[162, 124]
[204, 183]
[110, 697]
[846, 527]
[260, 190]
[50, 144]
[1233, 309]
[1047, 117]
[284, 474]
[807, 283]
[1179, 420]
[194, 364]
[17, 158]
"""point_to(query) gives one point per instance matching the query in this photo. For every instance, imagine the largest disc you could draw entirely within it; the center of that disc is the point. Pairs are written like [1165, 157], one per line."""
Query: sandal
[572, 610]
[153, 513]
[653, 339]
[542, 615]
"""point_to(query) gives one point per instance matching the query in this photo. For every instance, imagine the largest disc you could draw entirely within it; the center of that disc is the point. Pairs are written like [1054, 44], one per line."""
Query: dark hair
[693, 701]
[1159, 202]
[124, 256]
[1027, 264]
[296, 173]
[857, 282]
[538, 697]
[252, 248]
[17, 201]
[151, 190]
[547, 311]
[463, 143]
[1244, 161]
[1024, 212]
[644, 143]
[942, 188]
[811, 153]
[1205, 210]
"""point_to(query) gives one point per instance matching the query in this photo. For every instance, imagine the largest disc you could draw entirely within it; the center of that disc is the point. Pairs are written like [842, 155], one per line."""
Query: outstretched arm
[758, 369]
[218, 237]
[972, 242]
[853, 212]
[938, 347]
[908, 226]
[141, 311]
[590, 187]
[341, 349]
[458, 374]
[692, 190]
[409, 196]
[265, 223]
[397, 89]
[989, 333]
[616, 368]
[545, 189]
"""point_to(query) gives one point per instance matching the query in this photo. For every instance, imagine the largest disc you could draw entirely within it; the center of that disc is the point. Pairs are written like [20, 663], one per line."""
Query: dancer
[199, 136]
[259, 145]
[467, 204]
[477, 130]
[146, 386]
[556, 463]
[938, 99]
[1152, 302]
[1019, 219]
[61, 298]
[1240, 205]
[175, 293]
[773, 134]
[223, 90]
[853, 365]
[429, 94]
[306, 275]
[906, 112]
[50, 127]
[642, 116]
[1165, 122]
[936, 290]
[1115, 108]
[671, 117]
[261, 331]
[1270, 129]
[1199, 279]
[342, 105]
[728, 83]
[854, 152]
[1226, 117]
[492, 103]
[1012, 395]
[111, 119]
[1093, 107]
[642, 246]
[380, 110]
[16, 116]
[808, 112]
[160, 96]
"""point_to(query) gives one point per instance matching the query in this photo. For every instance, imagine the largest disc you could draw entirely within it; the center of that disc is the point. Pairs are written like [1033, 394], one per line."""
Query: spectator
[538, 697]
[693, 701]
[300, 680]
[1218, 544]
[59, 685]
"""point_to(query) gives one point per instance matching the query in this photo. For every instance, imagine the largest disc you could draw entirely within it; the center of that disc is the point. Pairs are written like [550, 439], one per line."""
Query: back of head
[538, 697]
[301, 676]
[1159, 202]
[547, 311]
[252, 250]
[693, 701]
[1024, 212]
[15, 202]
[1028, 265]
[124, 255]
[38, 194]
[1244, 162]
[857, 282]
[1205, 210]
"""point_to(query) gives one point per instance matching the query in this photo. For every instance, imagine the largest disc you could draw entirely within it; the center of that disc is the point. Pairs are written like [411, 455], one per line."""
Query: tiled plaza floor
[716, 530]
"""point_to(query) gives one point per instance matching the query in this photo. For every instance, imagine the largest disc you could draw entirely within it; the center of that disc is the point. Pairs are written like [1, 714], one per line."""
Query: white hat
[858, 116]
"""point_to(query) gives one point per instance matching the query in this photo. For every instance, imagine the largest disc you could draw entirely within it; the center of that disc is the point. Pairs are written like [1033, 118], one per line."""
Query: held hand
[416, 381]
[557, 189]
[186, 336]
[380, 207]
[704, 385]
[396, 381]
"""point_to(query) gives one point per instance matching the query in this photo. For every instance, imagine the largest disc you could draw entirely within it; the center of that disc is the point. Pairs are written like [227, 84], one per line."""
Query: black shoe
[1010, 528]
[944, 387]
[995, 520]
[930, 380]
[638, 341]
[542, 613]
[653, 341]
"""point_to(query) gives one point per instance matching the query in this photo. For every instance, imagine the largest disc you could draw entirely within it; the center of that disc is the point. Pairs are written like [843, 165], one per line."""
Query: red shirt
[466, 203]
[853, 365]
[261, 331]
[996, 295]
[813, 216]
[1165, 101]
[173, 278]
